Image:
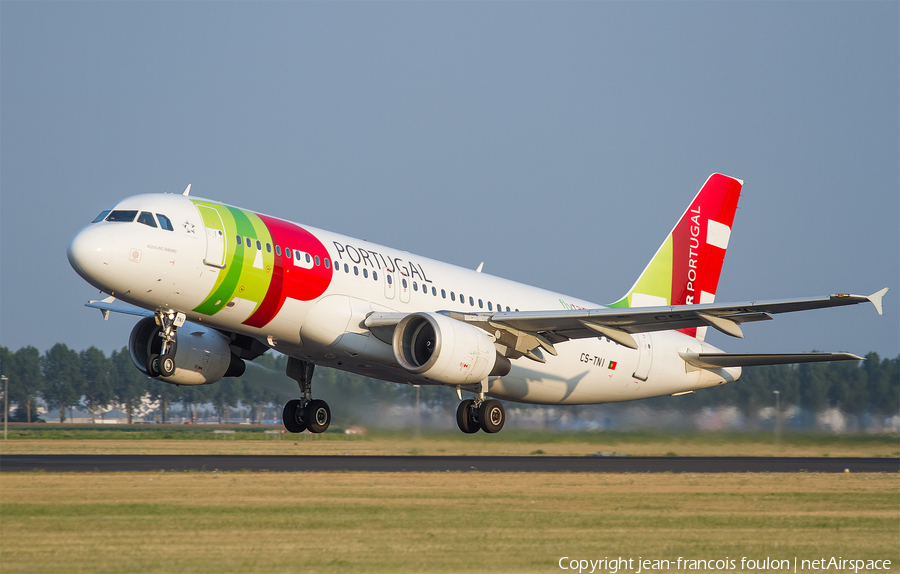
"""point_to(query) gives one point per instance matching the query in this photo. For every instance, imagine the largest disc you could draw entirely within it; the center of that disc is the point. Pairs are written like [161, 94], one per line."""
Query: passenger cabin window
[147, 219]
[287, 252]
[317, 260]
[365, 273]
[258, 245]
[165, 222]
[268, 248]
[443, 294]
[101, 217]
[375, 275]
[452, 296]
[471, 301]
[278, 250]
[327, 263]
[239, 240]
[489, 306]
[434, 291]
[415, 286]
[126, 216]
[248, 242]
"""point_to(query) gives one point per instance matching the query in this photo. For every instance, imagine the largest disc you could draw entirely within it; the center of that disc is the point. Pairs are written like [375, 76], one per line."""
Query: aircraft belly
[592, 371]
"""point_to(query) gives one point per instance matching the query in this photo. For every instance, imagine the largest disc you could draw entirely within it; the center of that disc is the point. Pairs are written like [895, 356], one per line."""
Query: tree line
[61, 378]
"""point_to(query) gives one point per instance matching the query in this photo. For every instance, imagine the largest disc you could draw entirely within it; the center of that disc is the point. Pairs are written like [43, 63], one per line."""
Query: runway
[268, 463]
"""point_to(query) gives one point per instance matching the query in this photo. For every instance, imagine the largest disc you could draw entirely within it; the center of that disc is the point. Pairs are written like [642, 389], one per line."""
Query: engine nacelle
[445, 350]
[202, 355]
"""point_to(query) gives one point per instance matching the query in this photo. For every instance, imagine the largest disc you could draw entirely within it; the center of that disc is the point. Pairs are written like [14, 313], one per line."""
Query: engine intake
[445, 350]
[202, 356]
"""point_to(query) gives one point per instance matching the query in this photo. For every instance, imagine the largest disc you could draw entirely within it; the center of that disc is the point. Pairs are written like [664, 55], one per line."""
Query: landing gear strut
[163, 364]
[305, 413]
[477, 414]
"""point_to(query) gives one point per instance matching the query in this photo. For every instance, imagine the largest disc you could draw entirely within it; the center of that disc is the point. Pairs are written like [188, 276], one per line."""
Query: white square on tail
[717, 234]
[644, 300]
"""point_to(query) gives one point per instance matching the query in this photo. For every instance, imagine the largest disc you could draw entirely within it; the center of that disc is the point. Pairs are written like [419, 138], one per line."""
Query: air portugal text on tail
[217, 285]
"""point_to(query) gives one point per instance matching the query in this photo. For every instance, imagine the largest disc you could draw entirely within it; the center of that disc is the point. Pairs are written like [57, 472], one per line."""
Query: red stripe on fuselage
[290, 281]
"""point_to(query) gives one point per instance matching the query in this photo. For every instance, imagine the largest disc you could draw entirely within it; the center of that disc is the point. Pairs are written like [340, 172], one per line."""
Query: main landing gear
[477, 414]
[306, 413]
[162, 364]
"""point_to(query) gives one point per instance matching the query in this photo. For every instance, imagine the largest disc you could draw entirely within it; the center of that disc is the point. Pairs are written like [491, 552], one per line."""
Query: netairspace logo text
[640, 565]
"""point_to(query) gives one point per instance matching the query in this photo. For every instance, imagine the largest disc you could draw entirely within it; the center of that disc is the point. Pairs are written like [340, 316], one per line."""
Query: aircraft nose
[89, 253]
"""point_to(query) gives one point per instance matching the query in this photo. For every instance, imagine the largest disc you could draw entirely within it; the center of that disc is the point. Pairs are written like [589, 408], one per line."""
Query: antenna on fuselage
[480, 267]
[187, 190]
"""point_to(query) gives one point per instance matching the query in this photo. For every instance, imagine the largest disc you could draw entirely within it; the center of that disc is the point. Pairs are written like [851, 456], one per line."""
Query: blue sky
[556, 142]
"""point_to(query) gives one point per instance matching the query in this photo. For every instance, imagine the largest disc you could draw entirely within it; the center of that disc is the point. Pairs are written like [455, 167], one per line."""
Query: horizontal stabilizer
[717, 360]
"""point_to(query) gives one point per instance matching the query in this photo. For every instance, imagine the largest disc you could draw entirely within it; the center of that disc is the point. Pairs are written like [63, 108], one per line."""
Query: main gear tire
[492, 416]
[292, 417]
[318, 416]
[464, 417]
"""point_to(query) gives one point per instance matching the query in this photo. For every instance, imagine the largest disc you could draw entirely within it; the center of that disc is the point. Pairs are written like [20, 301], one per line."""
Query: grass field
[440, 522]
[183, 439]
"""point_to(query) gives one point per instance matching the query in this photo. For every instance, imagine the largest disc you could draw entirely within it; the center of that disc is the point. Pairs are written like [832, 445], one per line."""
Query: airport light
[777, 416]
[5, 404]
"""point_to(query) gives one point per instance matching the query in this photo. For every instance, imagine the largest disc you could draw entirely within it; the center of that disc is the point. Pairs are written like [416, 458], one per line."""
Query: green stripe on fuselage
[240, 278]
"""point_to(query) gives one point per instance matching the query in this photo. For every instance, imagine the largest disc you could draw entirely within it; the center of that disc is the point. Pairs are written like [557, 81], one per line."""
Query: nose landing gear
[305, 413]
[163, 364]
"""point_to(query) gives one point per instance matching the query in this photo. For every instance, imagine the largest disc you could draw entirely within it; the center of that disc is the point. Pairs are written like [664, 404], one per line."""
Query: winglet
[187, 190]
[875, 298]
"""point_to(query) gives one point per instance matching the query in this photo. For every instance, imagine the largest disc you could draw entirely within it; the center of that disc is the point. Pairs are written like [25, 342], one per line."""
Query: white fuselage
[180, 270]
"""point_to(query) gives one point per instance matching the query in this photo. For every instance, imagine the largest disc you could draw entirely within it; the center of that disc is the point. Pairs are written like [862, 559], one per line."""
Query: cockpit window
[127, 216]
[101, 217]
[165, 222]
[147, 219]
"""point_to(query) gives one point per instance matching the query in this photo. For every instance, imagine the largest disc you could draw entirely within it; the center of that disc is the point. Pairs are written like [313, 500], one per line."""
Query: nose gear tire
[153, 365]
[166, 365]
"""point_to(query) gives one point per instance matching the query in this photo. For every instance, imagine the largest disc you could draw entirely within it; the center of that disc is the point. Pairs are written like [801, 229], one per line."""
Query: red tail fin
[686, 267]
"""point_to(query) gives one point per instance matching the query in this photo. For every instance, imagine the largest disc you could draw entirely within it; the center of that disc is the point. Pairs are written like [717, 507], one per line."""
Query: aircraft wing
[619, 323]
[523, 333]
[116, 306]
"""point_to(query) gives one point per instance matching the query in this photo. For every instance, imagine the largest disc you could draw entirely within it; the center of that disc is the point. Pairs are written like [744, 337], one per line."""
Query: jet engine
[202, 356]
[446, 350]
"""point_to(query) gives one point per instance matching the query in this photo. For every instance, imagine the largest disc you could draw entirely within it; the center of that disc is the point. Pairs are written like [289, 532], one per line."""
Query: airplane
[217, 285]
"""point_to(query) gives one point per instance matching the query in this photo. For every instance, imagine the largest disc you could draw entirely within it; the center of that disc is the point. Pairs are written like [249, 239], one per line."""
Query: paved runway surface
[146, 463]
